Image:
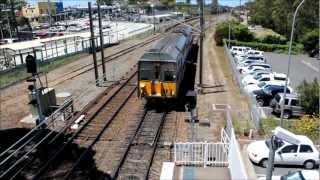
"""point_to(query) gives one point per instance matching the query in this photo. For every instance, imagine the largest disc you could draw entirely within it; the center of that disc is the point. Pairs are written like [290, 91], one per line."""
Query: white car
[255, 67]
[304, 154]
[242, 66]
[256, 58]
[255, 53]
[253, 74]
[238, 50]
[261, 85]
[239, 58]
[247, 63]
[298, 175]
[265, 77]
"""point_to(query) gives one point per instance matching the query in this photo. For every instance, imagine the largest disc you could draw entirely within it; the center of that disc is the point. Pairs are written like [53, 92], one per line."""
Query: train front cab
[157, 80]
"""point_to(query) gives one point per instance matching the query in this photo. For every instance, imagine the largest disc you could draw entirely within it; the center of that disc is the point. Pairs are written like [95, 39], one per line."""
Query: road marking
[310, 65]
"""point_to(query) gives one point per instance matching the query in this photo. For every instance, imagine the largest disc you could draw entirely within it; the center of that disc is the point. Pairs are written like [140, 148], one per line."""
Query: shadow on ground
[34, 161]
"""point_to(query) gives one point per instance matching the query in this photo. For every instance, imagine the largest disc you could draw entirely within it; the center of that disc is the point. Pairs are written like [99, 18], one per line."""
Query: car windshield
[256, 77]
[267, 90]
[293, 176]
[277, 98]
[261, 84]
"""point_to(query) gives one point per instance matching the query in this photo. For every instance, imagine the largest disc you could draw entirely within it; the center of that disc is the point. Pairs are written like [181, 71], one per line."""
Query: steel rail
[131, 143]
[99, 134]
[48, 163]
[64, 128]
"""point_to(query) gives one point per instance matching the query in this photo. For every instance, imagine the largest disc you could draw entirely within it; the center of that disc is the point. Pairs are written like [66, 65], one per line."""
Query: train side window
[169, 76]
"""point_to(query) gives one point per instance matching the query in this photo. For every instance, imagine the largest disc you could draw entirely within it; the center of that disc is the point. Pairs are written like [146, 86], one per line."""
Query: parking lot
[302, 67]
[278, 170]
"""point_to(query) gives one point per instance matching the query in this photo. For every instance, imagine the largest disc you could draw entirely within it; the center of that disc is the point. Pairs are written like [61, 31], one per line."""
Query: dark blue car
[265, 95]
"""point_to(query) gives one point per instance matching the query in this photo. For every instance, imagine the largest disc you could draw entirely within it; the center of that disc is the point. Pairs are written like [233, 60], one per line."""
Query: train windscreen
[157, 71]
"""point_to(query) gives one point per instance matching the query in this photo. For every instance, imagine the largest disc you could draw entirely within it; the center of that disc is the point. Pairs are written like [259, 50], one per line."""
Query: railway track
[88, 67]
[135, 153]
[137, 160]
[98, 118]
[92, 130]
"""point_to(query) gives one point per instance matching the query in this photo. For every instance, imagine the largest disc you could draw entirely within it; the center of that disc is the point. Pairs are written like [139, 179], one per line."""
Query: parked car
[291, 105]
[265, 77]
[253, 74]
[247, 63]
[244, 65]
[305, 154]
[239, 58]
[254, 87]
[238, 50]
[255, 67]
[257, 58]
[53, 29]
[265, 95]
[297, 175]
[255, 53]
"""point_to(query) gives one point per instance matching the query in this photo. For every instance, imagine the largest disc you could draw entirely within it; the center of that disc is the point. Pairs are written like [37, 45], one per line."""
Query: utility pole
[14, 19]
[201, 43]
[289, 62]
[93, 47]
[154, 23]
[49, 13]
[101, 43]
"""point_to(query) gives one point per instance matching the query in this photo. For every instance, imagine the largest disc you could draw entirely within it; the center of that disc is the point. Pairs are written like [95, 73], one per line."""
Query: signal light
[31, 64]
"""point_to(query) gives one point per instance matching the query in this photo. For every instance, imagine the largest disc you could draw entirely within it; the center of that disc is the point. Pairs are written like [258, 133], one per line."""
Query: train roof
[167, 48]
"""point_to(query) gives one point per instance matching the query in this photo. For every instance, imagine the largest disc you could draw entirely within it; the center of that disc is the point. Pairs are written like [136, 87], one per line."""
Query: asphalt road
[278, 170]
[302, 67]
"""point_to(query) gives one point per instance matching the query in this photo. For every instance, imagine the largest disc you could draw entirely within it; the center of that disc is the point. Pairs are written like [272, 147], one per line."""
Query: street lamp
[152, 9]
[229, 33]
[289, 63]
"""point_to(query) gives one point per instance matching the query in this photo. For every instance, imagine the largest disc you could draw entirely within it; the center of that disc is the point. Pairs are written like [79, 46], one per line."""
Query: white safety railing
[201, 154]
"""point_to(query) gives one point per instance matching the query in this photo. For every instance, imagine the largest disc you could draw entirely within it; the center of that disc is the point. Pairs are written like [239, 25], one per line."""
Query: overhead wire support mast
[93, 47]
[201, 43]
[101, 43]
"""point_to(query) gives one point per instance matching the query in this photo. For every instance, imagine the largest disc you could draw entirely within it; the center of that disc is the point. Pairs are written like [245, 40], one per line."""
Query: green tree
[309, 96]
[10, 16]
[238, 32]
[310, 40]
[278, 14]
[105, 2]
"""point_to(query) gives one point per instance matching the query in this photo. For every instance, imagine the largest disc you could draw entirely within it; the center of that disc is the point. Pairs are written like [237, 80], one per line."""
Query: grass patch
[263, 32]
[306, 125]
[15, 75]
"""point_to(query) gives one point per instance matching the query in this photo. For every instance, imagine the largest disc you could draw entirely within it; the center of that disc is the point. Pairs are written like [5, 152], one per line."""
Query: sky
[67, 3]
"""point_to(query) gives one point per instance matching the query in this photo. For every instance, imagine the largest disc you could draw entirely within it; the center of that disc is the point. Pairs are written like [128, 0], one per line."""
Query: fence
[220, 154]
[201, 153]
[255, 111]
[236, 166]
[47, 49]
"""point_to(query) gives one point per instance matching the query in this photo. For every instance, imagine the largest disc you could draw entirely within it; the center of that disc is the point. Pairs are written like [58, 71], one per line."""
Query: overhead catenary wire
[32, 137]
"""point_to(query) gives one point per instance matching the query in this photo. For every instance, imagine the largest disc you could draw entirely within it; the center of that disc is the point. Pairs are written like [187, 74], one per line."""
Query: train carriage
[161, 69]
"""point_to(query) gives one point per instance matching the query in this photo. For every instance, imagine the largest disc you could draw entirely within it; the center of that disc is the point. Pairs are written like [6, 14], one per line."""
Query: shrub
[273, 39]
[267, 125]
[309, 96]
[238, 31]
[310, 41]
[268, 47]
[308, 125]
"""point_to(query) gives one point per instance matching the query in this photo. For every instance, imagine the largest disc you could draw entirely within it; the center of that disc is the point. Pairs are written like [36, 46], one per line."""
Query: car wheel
[286, 114]
[260, 102]
[309, 164]
[264, 163]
